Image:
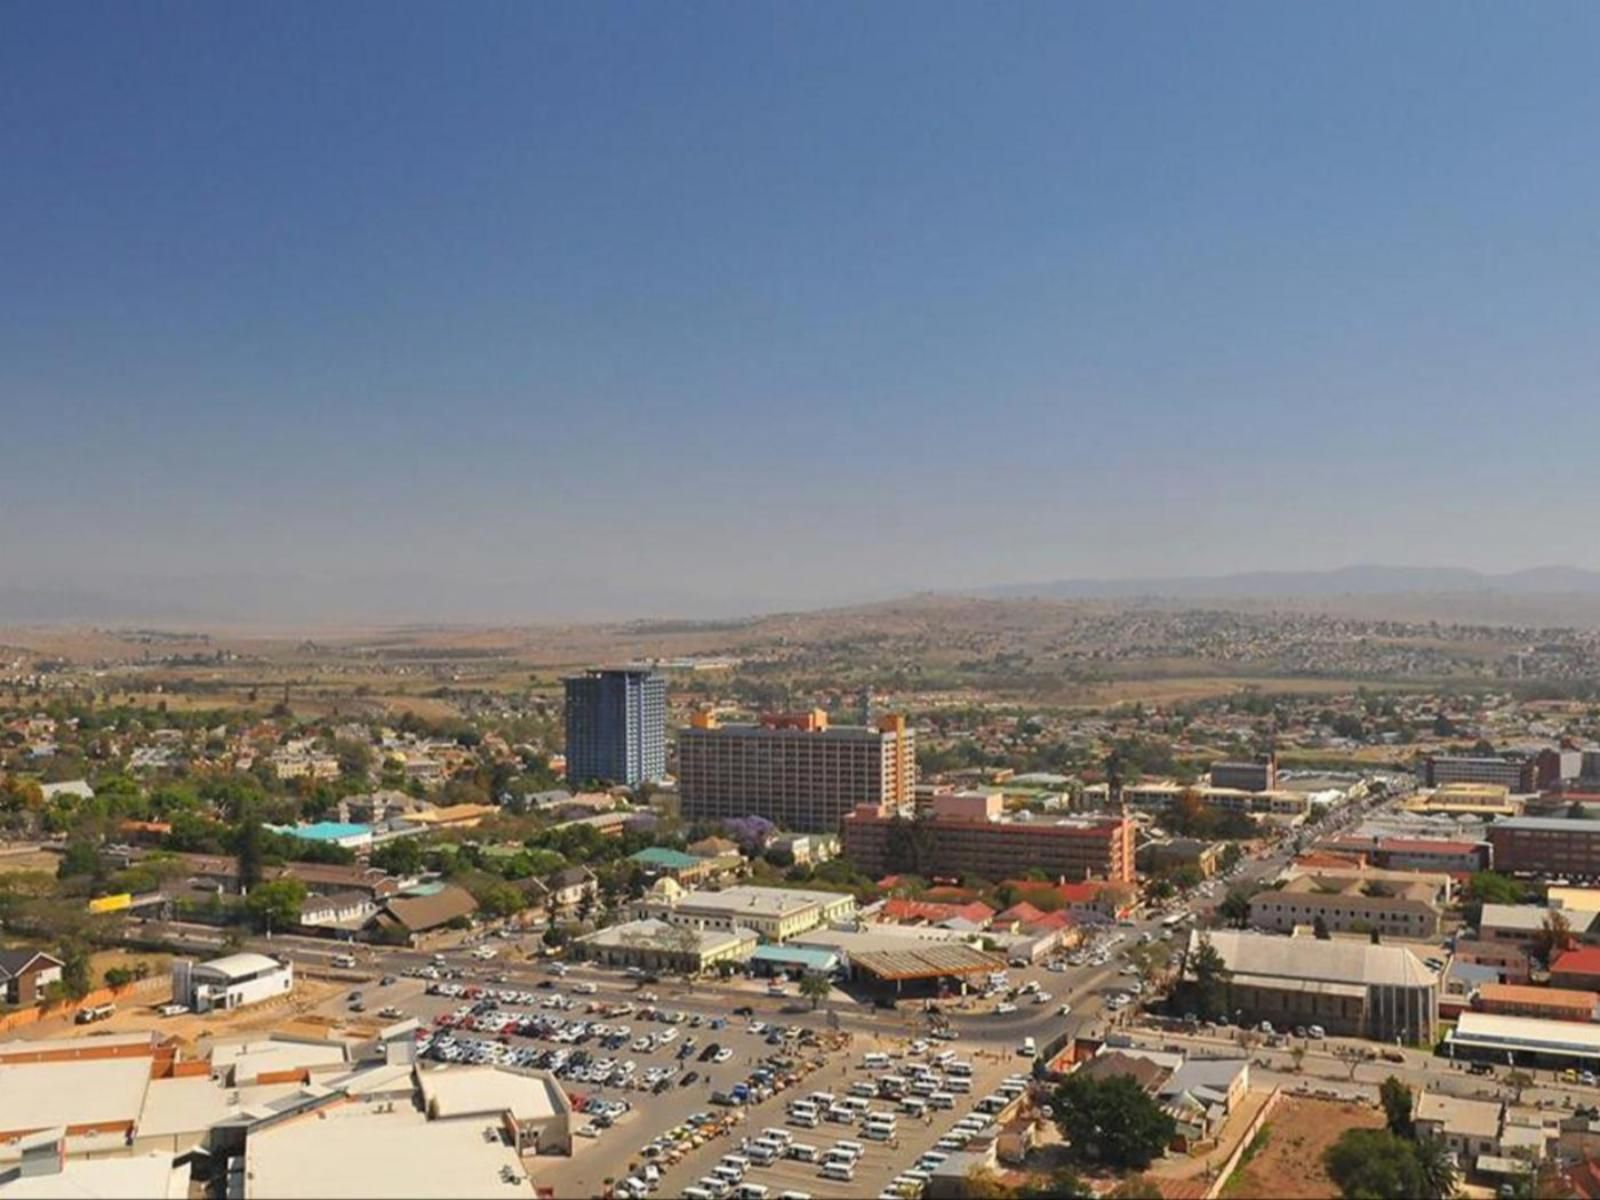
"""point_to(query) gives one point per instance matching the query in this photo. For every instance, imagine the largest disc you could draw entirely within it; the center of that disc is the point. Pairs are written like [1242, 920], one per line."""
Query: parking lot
[616, 1044]
[879, 1156]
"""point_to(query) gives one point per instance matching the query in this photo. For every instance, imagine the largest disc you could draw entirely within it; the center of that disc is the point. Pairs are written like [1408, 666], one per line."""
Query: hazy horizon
[547, 311]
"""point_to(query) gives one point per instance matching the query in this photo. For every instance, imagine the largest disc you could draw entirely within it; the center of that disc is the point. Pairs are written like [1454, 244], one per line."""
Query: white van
[912, 1107]
[853, 1149]
[1028, 1048]
[801, 1152]
[735, 1162]
[941, 1100]
[960, 1069]
[751, 1191]
[959, 1083]
[697, 1193]
[805, 1117]
[862, 1087]
[839, 1169]
[763, 1154]
[875, 1062]
[878, 1133]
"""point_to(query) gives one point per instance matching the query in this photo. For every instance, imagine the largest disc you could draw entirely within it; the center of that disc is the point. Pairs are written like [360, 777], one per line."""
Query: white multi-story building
[230, 982]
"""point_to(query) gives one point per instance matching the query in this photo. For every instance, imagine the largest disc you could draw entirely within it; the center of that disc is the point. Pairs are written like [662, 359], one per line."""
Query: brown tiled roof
[419, 913]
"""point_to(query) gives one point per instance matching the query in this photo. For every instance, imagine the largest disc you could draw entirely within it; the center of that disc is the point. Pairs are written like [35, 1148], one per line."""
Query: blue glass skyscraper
[616, 726]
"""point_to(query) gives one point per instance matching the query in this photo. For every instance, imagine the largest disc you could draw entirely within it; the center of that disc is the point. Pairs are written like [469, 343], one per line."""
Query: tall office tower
[616, 726]
[793, 769]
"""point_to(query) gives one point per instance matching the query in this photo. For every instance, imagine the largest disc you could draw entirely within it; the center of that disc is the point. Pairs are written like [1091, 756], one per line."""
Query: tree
[1396, 1099]
[1112, 1120]
[80, 858]
[1235, 909]
[75, 979]
[276, 905]
[1140, 1187]
[1554, 936]
[250, 853]
[1210, 980]
[1437, 1167]
[355, 759]
[1519, 1081]
[1351, 1056]
[815, 987]
[1320, 928]
[980, 1183]
[1374, 1164]
[501, 900]
[1063, 1184]
[403, 856]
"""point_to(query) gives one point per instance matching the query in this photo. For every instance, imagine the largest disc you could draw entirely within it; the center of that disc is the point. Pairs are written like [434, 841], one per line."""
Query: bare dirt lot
[1289, 1163]
[18, 861]
[136, 1014]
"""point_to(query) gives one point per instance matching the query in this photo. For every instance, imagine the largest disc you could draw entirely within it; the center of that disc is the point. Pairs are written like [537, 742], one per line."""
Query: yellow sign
[115, 903]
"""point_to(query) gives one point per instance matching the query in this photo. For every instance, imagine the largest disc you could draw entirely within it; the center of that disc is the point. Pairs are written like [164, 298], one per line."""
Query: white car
[1001, 1009]
[1064, 1011]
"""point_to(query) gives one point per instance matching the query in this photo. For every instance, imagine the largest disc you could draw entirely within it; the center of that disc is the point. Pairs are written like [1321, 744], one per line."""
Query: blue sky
[581, 309]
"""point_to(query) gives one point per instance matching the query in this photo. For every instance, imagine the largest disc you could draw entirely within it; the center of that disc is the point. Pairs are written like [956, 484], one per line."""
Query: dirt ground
[156, 965]
[1289, 1165]
[191, 1030]
[29, 860]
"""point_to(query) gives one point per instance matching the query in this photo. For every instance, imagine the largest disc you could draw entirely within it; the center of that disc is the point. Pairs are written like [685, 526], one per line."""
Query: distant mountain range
[1555, 595]
[1342, 581]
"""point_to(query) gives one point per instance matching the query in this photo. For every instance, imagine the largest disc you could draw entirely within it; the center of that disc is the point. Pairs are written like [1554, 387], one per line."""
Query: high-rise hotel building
[793, 769]
[616, 726]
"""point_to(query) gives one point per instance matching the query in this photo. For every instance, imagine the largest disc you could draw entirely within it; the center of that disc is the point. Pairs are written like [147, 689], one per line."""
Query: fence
[1232, 1162]
[66, 1008]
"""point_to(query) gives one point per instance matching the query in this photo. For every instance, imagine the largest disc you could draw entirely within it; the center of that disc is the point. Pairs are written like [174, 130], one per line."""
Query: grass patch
[1256, 1146]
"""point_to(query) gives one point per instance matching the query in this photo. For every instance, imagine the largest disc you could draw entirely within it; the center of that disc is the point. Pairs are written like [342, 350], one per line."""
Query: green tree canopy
[815, 987]
[75, 979]
[1210, 980]
[1397, 1102]
[1374, 1164]
[276, 905]
[1111, 1121]
[1437, 1166]
[403, 856]
[1235, 909]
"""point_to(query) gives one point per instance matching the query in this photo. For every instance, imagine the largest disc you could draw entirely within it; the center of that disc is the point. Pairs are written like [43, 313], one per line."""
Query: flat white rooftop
[99, 1044]
[399, 1155]
[177, 1107]
[1488, 1031]
[758, 901]
[93, 1091]
[148, 1176]
[450, 1092]
[249, 1059]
